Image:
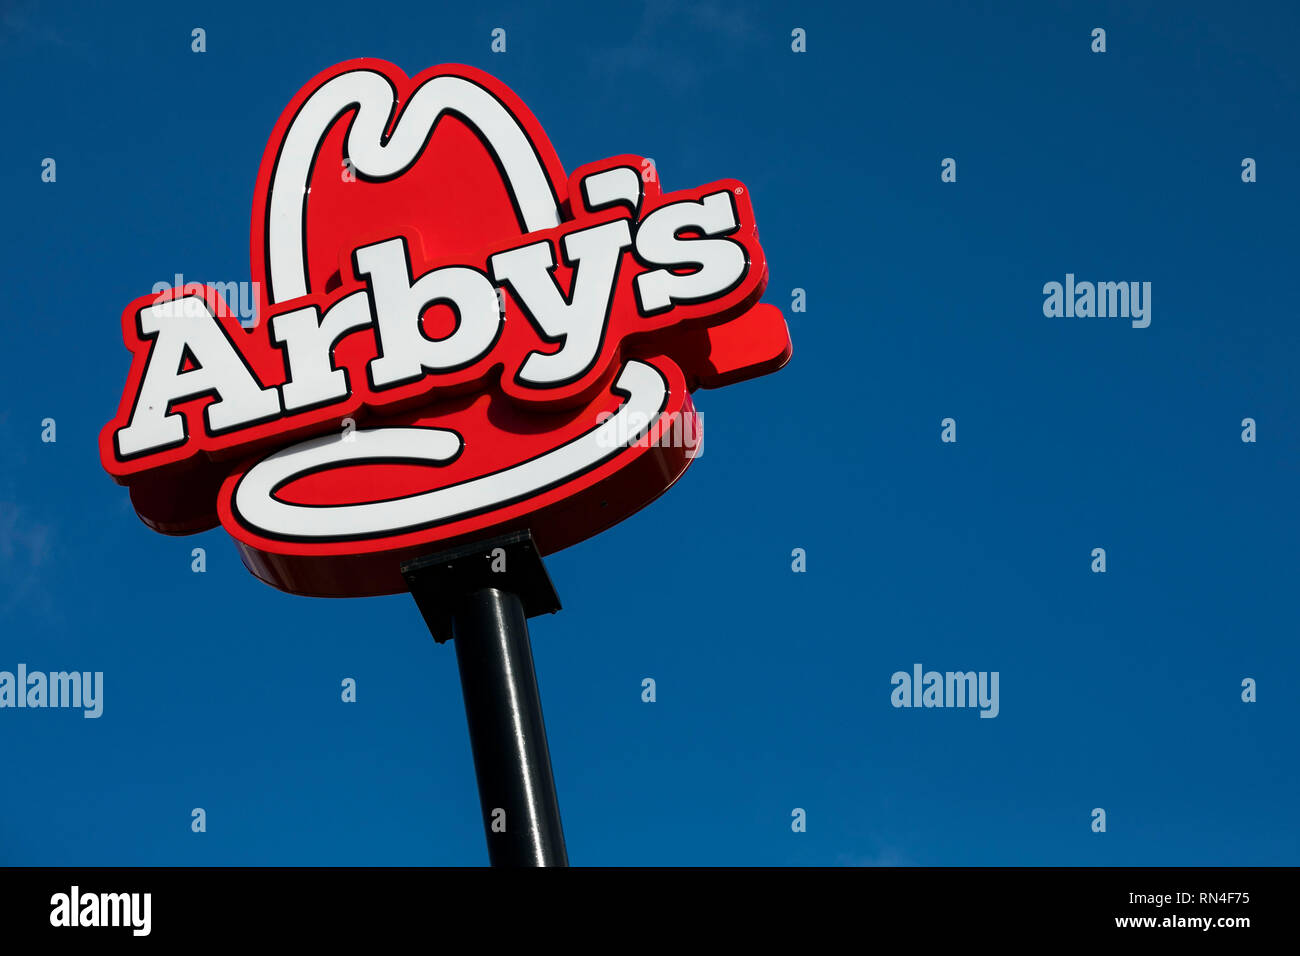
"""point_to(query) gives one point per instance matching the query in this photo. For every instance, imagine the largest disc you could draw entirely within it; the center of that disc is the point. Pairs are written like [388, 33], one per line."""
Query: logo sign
[452, 339]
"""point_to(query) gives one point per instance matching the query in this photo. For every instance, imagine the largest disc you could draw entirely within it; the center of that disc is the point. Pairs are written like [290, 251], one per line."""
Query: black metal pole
[521, 813]
[482, 596]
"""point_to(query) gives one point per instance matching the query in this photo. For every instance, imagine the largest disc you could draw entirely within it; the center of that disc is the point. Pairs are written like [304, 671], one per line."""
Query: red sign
[452, 339]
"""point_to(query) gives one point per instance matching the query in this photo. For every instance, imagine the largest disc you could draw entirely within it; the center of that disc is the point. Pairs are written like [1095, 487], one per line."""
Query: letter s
[721, 263]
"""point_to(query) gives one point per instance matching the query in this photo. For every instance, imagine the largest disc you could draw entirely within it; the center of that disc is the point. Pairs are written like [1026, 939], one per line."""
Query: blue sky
[924, 301]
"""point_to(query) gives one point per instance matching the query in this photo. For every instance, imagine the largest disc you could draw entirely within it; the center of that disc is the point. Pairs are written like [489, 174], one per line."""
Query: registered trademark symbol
[739, 190]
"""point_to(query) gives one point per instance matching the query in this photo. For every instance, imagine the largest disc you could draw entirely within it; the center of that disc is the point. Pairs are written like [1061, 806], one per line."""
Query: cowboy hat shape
[453, 339]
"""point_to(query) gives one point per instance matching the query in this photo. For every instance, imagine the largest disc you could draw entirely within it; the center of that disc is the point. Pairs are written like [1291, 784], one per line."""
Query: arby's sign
[453, 339]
